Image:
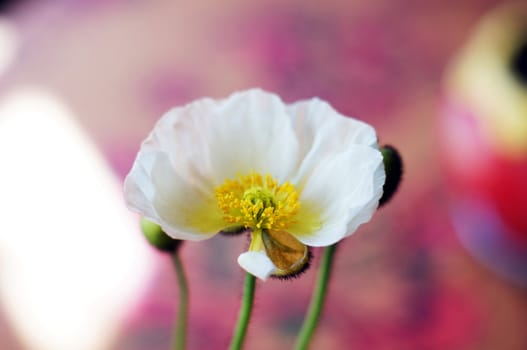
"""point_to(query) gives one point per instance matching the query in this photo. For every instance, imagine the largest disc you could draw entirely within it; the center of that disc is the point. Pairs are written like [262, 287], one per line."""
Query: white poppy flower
[293, 176]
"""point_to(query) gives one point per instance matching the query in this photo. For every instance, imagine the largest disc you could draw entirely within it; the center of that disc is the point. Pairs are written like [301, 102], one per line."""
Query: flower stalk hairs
[292, 176]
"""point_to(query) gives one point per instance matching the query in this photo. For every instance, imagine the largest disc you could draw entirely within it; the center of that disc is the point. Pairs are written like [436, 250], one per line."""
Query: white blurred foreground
[72, 261]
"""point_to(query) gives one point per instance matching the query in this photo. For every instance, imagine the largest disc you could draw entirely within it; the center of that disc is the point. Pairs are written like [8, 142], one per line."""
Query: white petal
[138, 188]
[209, 141]
[257, 263]
[346, 189]
[322, 131]
[252, 131]
[181, 135]
[363, 213]
[156, 191]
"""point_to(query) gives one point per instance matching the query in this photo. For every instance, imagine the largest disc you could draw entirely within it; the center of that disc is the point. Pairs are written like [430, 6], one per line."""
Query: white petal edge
[212, 140]
[154, 190]
[138, 189]
[364, 215]
[322, 131]
[313, 114]
[346, 196]
[257, 263]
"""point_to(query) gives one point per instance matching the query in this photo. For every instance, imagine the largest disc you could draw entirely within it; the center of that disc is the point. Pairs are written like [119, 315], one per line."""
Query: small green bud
[393, 166]
[158, 238]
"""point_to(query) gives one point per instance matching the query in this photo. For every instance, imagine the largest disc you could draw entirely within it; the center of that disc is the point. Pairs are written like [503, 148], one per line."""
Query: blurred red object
[474, 169]
[484, 122]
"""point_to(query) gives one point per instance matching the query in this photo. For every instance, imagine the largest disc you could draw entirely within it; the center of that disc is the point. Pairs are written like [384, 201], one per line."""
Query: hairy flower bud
[393, 166]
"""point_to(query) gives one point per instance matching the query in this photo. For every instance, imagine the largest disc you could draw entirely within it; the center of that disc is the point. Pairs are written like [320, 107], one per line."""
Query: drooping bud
[393, 166]
[158, 238]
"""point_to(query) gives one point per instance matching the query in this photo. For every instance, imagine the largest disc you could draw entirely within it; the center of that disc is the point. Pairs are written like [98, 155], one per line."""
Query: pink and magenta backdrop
[403, 281]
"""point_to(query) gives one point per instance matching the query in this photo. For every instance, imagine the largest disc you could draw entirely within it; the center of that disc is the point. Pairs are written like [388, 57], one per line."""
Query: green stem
[245, 313]
[180, 328]
[317, 300]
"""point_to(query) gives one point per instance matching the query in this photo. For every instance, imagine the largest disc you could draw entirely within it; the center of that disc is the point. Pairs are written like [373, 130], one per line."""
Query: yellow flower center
[258, 202]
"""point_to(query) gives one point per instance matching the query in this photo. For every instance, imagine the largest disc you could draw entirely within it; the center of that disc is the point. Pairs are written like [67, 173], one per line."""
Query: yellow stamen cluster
[257, 202]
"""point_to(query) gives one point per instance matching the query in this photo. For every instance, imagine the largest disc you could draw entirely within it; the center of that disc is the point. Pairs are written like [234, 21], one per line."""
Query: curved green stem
[317, 300]
[245, 313]
[180, 328]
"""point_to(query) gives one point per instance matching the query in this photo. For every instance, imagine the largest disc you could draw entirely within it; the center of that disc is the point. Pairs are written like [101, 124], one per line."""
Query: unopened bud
[158, 238]
[393, 166]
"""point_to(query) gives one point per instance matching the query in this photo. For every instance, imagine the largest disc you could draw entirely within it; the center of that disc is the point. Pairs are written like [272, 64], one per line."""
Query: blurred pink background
[403, 281]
